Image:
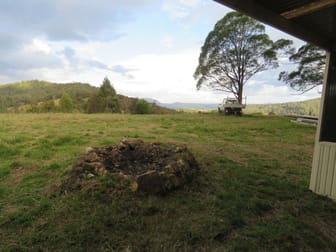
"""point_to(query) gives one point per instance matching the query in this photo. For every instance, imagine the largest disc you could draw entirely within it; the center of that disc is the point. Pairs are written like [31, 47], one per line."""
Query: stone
[91, 157]
[88, 150]
[90, 175]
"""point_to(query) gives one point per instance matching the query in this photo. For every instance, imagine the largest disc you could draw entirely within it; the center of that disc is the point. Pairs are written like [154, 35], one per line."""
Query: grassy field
[251, 195]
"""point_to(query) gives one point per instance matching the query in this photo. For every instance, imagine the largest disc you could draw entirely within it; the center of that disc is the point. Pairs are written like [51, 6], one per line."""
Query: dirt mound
[151, 167]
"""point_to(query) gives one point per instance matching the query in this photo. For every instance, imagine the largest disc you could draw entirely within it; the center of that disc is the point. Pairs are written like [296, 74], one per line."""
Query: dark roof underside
[311, 20]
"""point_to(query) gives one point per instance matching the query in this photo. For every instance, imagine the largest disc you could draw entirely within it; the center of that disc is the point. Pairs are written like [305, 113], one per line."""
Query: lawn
[251, 194]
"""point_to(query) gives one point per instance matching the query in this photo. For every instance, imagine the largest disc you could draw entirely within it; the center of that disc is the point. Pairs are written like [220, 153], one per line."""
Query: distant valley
[308, 107]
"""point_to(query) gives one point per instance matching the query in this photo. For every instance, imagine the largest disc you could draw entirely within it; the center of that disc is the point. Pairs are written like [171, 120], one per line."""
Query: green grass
[251, 195]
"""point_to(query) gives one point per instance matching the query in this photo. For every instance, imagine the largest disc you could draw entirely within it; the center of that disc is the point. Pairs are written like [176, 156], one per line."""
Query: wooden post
[323, 176]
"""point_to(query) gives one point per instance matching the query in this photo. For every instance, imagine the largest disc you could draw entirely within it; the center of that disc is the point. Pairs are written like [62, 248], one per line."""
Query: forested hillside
[27, 94]
[37, 96]
[34, 91]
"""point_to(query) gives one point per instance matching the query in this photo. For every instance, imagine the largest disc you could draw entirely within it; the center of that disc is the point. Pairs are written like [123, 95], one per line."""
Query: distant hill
[36, 96]
[308, 107]
[181, 105]
[34, 91]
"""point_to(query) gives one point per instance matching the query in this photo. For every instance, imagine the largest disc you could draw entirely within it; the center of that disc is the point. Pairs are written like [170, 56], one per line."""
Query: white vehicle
[231, 106]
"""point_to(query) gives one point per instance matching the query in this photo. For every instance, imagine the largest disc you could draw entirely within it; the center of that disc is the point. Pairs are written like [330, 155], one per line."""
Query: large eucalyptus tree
[234, 51]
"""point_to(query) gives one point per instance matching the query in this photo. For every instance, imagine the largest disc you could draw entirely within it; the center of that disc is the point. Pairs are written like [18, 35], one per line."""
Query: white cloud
[175, 11]
[168, 41]
[190, 3]
[191, 13]
[181, 9]
[167, 78]
[41, 45]
[270, 93]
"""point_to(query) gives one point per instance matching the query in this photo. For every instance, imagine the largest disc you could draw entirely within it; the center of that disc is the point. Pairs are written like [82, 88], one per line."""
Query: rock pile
[151, 167]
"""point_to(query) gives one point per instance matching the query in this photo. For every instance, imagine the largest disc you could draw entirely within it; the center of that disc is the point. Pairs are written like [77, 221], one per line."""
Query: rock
[88, 150]
[90, 175]
[134, 186]
[130, 144]
[91, 157]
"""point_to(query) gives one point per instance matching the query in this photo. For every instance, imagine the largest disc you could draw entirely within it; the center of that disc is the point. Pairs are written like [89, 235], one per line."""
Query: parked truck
[231, 106]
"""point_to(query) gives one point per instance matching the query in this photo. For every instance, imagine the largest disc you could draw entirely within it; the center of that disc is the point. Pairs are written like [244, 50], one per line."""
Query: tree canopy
[143, 107]
[106, 89]
[310, 61]
[66, 104]
[106, 100]
[234, 51]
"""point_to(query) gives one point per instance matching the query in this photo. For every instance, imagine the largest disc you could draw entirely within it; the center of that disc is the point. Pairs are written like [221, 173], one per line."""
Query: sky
[147, 48]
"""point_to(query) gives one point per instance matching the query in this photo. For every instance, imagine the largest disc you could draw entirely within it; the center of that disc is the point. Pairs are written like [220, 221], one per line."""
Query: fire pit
[151, 167]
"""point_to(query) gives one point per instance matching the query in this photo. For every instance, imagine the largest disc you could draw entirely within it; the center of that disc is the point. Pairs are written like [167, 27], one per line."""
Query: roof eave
[257, 11]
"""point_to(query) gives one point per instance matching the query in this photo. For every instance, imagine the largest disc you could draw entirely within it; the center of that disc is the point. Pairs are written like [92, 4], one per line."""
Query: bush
[143, 107]
[66, 104]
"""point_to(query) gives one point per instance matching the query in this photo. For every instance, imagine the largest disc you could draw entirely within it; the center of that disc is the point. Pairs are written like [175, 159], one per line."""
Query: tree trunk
[240, 93]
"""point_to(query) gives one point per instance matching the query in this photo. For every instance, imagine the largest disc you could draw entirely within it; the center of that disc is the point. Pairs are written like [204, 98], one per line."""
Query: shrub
[143, 107]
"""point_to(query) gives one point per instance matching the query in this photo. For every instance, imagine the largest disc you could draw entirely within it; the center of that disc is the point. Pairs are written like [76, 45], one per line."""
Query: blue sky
[147, 48]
